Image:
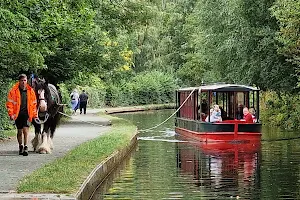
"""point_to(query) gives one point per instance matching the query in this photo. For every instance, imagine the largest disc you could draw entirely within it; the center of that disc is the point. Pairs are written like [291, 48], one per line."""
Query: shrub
[281, 110]
[146, 88]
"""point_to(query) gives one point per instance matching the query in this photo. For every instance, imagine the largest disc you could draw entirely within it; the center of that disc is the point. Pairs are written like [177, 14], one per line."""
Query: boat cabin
[196, 102]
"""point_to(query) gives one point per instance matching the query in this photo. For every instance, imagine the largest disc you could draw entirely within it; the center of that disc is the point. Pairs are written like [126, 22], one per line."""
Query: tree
[287, 12]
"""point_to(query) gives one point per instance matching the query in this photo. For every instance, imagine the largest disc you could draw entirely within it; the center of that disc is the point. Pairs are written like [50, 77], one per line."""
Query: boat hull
[228, 131]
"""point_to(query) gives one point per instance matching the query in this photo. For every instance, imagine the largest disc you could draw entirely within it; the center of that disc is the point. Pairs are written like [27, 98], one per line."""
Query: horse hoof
[43, 151]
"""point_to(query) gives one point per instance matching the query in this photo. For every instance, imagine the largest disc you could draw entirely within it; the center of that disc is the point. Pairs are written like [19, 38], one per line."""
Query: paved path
[79, 129]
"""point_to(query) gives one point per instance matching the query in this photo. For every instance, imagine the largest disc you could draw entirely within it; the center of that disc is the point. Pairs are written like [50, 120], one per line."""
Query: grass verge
[66, 174]
[7, 134]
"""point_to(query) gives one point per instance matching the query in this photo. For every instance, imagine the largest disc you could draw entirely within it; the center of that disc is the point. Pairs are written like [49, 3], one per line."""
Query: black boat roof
[221, 87]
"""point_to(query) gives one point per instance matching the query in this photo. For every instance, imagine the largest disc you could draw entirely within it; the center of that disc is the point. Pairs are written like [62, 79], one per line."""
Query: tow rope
[145, 130]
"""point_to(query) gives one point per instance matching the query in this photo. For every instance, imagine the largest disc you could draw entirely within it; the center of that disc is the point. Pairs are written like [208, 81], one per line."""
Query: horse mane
[55, 94]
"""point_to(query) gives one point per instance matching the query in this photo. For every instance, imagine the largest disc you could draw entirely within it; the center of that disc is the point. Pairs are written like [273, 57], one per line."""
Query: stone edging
[98, 175]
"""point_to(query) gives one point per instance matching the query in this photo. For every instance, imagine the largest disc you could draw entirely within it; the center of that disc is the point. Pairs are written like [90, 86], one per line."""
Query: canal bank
[8, 155]
[139, 108]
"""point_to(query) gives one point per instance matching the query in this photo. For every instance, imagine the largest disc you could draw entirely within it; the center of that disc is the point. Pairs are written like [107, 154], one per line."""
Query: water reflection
[222, 170]
[117, 173]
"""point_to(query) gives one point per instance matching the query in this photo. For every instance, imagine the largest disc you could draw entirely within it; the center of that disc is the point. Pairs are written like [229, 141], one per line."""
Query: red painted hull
[218, 136]
[225, 147]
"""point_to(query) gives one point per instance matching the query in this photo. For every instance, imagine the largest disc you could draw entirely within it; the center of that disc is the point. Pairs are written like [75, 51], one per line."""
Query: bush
[281, 110]
[91, 83]
[4, 120]
[146, 88]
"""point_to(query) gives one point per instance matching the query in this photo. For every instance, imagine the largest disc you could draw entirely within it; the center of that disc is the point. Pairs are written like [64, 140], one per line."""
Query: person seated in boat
[204, 106]
[203, 116]
[252, 112]
[223, 113]
[247, 116]
[215, 115]
[239, 113]
[203, 110]
[217, 112]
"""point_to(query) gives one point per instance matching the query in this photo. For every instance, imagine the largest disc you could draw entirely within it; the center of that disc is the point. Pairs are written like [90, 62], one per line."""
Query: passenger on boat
[239, 113]
[247, 115]
[204, 107]
[203, 110]
[223, 113]
[252, 112]
[215, 115]
[217, 112]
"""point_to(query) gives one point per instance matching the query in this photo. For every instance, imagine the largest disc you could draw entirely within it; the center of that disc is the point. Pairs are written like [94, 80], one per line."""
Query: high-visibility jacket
[13, 103]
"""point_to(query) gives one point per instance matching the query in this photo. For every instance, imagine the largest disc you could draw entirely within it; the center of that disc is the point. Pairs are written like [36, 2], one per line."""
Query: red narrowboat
[218, 113]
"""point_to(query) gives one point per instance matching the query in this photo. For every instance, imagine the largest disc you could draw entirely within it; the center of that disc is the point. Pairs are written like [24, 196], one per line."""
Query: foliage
[18, 51]
[281, 110]
[115, 43]
[91, 83]
[146, 88]
[287, 12]
[236, 42]
[5, 123]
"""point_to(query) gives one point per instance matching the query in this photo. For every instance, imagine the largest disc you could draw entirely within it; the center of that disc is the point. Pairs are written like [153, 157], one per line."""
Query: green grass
[8, 133]
[66, 174]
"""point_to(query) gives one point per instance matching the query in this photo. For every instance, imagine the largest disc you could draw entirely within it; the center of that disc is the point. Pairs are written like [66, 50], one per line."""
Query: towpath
[77, 130]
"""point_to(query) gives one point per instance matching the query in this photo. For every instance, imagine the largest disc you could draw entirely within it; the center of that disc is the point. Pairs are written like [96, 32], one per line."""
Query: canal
[165, 166]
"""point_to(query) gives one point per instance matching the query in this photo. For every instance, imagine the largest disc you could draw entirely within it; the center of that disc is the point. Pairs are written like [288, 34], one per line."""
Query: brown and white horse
[49, 108]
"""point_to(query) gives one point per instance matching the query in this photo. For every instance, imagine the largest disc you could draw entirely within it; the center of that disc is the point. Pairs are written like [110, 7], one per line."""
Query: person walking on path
[83, 97]
[74, 101]
[22, 108]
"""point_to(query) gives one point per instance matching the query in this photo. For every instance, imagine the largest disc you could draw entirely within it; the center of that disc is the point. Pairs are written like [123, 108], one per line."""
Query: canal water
[165, 166]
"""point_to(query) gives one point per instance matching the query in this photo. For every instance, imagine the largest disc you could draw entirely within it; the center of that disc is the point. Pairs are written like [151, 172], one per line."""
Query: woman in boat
[215, 115]
[252, 112]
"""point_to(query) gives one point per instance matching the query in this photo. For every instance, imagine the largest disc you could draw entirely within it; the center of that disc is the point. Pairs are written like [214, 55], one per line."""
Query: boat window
[203, 106]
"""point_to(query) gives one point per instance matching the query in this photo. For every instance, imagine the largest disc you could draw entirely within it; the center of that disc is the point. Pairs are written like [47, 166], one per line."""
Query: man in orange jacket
[22, 108]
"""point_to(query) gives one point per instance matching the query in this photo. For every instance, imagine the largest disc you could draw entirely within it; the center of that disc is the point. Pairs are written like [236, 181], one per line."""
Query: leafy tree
[287, 12]
[18, 51]
[237, 44]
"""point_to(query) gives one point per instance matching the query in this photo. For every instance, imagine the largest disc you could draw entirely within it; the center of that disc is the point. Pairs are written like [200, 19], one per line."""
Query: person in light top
[215, 115]
[74, 101]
